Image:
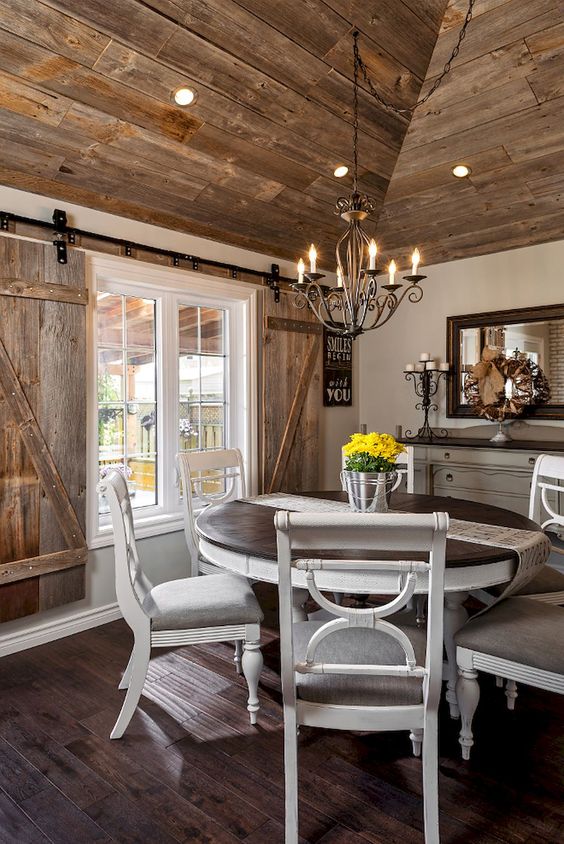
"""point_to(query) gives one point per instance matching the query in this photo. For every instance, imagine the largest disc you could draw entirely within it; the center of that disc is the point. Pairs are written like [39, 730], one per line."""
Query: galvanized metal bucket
[369, 492]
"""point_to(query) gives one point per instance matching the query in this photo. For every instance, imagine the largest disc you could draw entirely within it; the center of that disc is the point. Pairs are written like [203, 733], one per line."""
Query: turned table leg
[455, 617]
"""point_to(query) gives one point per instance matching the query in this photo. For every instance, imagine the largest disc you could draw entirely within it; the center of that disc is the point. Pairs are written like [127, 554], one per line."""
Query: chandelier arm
[314, 294]
[403, 112]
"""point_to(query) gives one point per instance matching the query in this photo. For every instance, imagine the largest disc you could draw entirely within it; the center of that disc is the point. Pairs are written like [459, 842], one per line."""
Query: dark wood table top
[249, 528]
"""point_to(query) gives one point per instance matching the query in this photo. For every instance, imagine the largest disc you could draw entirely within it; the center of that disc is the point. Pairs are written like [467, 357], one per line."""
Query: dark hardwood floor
[191, 769]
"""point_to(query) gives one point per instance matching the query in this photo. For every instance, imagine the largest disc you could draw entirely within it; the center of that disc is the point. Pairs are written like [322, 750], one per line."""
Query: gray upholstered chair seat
[364, 647]
[211, 601]
[548, 579]
[521, 630]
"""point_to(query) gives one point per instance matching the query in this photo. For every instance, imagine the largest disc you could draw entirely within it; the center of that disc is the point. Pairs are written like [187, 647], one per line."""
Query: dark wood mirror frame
[456, 324]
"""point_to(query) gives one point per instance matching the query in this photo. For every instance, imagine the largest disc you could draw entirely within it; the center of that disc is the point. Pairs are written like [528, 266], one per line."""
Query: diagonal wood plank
[306, 374]
[43, 462]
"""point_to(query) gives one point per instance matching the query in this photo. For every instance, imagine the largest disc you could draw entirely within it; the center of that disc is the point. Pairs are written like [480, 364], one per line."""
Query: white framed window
[172, 367]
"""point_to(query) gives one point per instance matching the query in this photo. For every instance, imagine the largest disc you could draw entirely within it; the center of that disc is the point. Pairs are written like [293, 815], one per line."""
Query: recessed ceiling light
[461, 171]
[341, 171]
[184, 96]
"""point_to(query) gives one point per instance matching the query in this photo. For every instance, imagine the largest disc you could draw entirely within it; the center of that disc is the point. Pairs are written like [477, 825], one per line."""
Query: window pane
[141, 451]
[211, 331]
[189, 377]
[110, 433]
[110, 319]
[142, 481]
[110, 375]
[212, 426]
[189, 426]
[140, 321]
[188, 329]
[212, 379]
[141, 376]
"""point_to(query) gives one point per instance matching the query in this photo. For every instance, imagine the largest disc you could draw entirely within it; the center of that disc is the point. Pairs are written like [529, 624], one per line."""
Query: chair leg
[416, 737]
[291, 776]
[511, 693]
[238, 655]
[431, 779]
[124, 682]
[468, 694]
[252, 667]
[140, 662]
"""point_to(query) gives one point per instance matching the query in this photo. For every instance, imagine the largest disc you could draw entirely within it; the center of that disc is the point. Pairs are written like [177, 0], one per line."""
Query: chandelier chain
[360, 65]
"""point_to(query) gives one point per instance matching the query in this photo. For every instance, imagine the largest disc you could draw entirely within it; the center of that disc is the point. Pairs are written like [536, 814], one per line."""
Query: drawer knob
[449, 477]
[532, 461]
[447, 455]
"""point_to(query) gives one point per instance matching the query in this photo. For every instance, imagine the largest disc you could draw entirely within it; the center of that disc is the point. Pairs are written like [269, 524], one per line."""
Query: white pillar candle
[301, 271]
[372, 251]
[424, 356]
[409, 367]
[312, 259]
[430, 364]
[419, 367]
[444, 367]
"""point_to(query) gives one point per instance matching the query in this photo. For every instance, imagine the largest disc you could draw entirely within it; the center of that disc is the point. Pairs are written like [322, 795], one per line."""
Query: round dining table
[240, 536]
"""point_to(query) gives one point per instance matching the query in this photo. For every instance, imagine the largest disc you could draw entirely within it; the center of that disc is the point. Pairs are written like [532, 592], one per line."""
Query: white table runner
[531, 546]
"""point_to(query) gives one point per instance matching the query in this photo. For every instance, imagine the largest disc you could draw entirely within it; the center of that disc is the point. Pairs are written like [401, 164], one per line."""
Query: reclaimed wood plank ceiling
[86, 116]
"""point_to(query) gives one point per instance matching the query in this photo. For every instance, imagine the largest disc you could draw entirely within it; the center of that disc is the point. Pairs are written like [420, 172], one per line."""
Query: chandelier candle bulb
[392, 271]
[312, 259]
[301, 271]
[372, 251]
[415, 261]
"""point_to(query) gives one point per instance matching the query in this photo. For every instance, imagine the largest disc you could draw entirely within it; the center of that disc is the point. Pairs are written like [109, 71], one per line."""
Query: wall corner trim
[52, 630]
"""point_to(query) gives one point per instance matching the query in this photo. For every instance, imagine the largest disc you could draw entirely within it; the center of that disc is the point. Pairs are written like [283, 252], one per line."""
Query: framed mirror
[538, 332]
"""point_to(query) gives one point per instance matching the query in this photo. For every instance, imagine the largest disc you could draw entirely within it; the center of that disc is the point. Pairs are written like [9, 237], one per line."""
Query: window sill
[144, 528]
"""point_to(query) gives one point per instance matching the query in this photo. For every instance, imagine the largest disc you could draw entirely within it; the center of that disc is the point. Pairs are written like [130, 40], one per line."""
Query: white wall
[165, 556]
[518, 278]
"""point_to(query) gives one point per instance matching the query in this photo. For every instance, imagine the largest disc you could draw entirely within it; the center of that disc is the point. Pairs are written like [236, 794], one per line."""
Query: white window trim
[186, 287]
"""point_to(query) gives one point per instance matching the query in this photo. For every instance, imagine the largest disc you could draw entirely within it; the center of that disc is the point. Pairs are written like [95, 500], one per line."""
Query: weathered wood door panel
[291, 397]
[42, 427]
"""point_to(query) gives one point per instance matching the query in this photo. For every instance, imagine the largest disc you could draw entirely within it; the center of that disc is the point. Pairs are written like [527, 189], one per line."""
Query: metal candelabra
[426, 384]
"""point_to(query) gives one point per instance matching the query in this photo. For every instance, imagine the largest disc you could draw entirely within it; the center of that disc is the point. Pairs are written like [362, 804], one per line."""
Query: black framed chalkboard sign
[337, 369]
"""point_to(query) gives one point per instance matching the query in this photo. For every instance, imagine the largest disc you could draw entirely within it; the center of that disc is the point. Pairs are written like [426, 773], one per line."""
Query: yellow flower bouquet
[372, 452]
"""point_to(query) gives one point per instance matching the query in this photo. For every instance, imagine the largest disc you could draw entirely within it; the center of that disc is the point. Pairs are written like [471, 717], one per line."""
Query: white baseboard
[51, 630]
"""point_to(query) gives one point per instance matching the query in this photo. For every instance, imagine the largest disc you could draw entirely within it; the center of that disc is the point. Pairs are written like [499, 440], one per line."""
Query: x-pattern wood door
[42, 427]
[291, 396]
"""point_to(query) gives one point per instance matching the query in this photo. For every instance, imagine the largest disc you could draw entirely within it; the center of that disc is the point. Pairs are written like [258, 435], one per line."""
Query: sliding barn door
[291, 396]
[42, 427]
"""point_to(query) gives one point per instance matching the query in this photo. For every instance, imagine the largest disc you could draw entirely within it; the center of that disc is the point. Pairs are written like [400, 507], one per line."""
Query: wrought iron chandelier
[360, 302]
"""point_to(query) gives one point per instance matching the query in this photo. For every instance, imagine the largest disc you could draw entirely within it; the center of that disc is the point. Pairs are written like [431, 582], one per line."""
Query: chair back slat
[198, 468]
[545, 497]
[311, 532]
[132, 584]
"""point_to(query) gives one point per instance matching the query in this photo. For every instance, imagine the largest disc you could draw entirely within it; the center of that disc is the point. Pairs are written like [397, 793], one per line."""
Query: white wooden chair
[406, 465]
[358, 671]
[190, 611]
[200, 468]
[548, 585]
[519, 639]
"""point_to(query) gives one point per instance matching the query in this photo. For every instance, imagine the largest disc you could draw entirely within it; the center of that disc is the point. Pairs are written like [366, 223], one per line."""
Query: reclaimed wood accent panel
[291, 396]
[87, 117]
[42, 428]
[501, 111]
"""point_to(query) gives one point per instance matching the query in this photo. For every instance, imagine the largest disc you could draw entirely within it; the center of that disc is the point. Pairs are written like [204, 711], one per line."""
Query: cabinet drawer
[516, 503]
[483, 457]
[481, 479]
